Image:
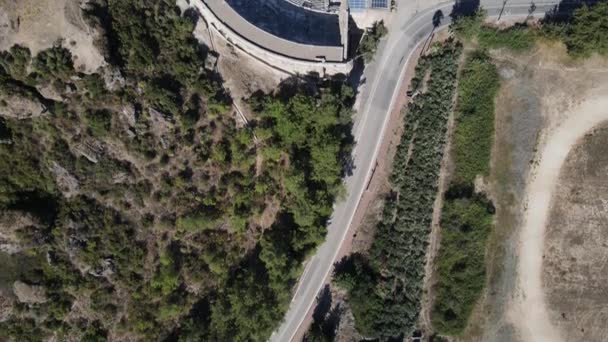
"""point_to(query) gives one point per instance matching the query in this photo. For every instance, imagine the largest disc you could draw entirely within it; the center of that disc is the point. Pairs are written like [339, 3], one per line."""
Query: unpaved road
[529, 312]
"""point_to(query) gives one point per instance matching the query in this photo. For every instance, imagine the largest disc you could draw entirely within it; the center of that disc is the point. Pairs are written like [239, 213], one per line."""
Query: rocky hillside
[135, 206]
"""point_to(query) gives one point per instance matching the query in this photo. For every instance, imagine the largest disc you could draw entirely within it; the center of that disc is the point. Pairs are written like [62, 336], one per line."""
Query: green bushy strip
[518, 38]
[467, 217]
[474, 132]
[466, 223]
[584, 32]
[386, 299]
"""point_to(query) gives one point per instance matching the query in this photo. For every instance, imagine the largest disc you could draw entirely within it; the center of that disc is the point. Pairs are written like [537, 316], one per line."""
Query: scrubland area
[134, 205]
[517, 87]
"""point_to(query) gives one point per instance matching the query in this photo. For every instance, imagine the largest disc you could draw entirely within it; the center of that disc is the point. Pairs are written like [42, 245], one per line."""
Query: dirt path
[529, 312]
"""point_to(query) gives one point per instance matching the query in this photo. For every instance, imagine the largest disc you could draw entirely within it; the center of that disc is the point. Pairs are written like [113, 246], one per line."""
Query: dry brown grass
[538, 91]
[576, 254]
[39, 24]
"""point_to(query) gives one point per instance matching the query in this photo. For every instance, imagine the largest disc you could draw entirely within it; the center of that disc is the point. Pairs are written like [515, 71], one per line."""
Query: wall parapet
[277, 52]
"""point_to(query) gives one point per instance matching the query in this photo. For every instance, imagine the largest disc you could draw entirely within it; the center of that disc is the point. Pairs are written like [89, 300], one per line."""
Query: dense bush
[22, 181]
[472, 28]
[516, 38]
[467, 216]
[15, 61]
[54, 63]
[387, 306]
[467, 27]
[466, 223]
[371, 39]
[474, 132]
[585, 32]
[99, 122]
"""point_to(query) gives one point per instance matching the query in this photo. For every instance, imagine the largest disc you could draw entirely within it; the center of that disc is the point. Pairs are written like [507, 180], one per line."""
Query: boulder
[29, 294]
[19, 107]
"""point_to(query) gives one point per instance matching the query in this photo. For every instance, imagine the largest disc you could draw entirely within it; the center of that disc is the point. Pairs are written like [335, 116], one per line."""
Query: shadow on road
[464, 8]
[437, 18]
[563, 11]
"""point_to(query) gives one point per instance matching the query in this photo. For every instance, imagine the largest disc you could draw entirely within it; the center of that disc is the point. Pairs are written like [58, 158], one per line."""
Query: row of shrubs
[467, 216]
[385, 288]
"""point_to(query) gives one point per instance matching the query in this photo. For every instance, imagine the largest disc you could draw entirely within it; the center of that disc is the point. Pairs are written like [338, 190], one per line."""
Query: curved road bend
[409, 27]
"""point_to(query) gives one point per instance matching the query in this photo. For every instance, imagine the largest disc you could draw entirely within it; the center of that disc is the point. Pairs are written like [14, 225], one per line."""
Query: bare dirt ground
[40, 24]
[242, 74]
[580, 113]
[533, 317]
[575, 268]
[547, 101]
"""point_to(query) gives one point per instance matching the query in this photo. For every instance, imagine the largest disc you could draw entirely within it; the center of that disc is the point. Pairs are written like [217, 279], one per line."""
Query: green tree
[586, 32]
[371, 38]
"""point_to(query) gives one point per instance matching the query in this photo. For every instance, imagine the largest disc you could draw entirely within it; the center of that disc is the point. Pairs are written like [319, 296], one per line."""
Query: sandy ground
[575, 267]
[39, 24]
[530, 312]
[541, 91]
[568, 114]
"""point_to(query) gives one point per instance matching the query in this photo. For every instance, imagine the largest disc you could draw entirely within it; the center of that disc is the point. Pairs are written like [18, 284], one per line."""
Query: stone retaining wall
[284, 55]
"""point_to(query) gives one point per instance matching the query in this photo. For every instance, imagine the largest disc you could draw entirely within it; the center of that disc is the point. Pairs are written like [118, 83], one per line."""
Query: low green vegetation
[583, 31]
[385, 288]
[516, 38]
[467, 216]
[472, 28]
[474, 132]
[371, 38]
[139, 206]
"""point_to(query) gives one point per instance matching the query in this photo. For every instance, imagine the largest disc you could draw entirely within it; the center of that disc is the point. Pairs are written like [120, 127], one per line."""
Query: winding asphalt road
[411, 26]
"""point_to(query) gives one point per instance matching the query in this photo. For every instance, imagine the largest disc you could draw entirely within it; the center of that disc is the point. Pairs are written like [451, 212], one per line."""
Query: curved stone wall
[311, 36]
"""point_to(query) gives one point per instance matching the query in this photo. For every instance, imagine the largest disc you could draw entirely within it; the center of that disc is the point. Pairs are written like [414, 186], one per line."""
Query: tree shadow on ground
[464, 8]
[354, 37]
[324, 302]
[326, 319]
[437, 18]
[563, 12]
